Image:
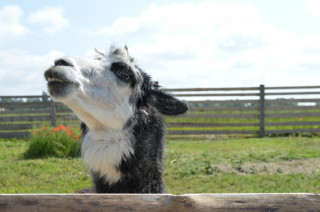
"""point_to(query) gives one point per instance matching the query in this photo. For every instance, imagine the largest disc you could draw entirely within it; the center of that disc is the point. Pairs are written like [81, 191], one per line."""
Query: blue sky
[226, 43]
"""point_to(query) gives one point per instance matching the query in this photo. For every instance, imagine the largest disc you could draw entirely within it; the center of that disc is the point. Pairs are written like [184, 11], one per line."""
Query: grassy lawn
[192, 165]
[242, 165]
[52, 175]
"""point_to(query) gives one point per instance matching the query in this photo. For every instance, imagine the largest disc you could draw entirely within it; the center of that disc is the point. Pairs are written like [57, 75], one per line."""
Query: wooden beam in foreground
[297, 202]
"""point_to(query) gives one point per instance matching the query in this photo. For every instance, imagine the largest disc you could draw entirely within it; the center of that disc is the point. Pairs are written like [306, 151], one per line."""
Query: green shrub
[61, 142]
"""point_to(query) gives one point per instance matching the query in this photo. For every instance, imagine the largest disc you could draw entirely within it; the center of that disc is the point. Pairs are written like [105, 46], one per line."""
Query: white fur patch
[103, 151]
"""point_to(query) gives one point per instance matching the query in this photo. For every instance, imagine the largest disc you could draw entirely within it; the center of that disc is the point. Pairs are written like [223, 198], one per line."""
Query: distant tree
[33, 100]
[45, 97]
[9, 100]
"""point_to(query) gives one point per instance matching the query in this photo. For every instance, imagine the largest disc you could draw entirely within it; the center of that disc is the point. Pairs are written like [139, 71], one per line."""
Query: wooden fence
[253, 110]
[303, 202]
[19, 114]
[257, 111]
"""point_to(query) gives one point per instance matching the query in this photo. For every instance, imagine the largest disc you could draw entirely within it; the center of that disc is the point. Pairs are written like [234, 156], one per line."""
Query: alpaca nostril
[62, 62]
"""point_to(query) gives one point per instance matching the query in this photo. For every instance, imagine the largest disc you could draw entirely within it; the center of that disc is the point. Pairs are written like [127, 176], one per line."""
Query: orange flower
[70, 132]
[59, 128]
[300, 119]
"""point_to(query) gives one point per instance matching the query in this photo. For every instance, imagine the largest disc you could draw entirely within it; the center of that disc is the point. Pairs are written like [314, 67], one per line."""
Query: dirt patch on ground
[307, 166]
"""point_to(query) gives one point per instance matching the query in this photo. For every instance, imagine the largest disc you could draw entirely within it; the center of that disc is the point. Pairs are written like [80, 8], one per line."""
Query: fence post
[156, 85]
[53, 113]
[261, 113]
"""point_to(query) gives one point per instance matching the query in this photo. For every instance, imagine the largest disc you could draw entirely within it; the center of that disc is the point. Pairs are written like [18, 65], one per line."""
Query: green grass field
[192, 165]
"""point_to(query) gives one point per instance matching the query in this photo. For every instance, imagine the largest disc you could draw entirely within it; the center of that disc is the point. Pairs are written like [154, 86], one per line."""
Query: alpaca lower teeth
[53, 79]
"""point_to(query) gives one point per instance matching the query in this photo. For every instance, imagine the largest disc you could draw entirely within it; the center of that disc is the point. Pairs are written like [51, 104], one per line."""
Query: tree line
[44, 98]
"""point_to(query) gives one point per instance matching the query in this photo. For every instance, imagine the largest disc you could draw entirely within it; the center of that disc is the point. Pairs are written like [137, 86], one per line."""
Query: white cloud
[214, 44]
[22, 73]
[313, 7]
[10, 24]
[47, 20]
[51, 20]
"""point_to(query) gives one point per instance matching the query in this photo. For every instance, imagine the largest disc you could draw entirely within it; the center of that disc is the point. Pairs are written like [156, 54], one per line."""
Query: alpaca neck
[103, 152]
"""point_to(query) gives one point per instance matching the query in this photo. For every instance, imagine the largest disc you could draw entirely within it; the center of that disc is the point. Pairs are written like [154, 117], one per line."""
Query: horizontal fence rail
[303, 202]
[257, 111]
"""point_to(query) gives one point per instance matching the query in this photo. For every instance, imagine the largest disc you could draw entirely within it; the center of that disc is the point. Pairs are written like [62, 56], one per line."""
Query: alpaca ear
[167, 104]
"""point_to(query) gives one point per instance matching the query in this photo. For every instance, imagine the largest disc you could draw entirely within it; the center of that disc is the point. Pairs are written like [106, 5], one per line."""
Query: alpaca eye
[123, 75]
[122, 71]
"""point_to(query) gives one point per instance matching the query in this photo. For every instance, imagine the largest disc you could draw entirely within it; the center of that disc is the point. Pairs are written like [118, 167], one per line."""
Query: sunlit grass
[190, 167]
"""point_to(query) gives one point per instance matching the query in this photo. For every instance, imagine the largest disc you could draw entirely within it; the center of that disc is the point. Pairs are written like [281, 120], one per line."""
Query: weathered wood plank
[209, 89]
[24, 104]
[240, 116]
[6, 127]
[60, 104]
[66, 117]
[216, 94]
[291, 87]
[37, 118]
[24, 97]
[27, 111]
[291, 115]
[202, 109]
[209, 132]
[213, 125]
[291, 93]
[16, 127]
[297, 123]
[69, 123]
[276, 101]
[288, 108]
[160, 202]
[13, 135]
[314, 130]
[24, 118]
[245, 101]
[238, 88]
[65, 110]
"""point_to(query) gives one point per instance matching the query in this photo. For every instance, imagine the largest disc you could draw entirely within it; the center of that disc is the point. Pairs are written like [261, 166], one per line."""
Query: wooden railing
[244, 110]
[160, 202]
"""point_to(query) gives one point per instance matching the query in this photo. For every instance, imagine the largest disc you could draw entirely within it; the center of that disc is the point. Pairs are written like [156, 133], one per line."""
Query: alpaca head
[107, 91]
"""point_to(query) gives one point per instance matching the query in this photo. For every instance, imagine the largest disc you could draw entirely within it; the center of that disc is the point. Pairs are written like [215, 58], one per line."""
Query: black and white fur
[123, 132]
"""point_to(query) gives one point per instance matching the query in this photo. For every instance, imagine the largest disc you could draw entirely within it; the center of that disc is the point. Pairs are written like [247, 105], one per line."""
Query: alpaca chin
[60, 91]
